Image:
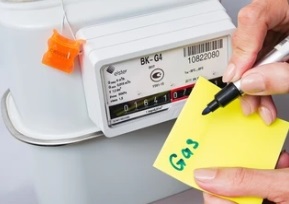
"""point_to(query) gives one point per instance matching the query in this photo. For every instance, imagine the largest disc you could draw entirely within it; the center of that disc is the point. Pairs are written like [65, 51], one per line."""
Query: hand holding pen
[250, 41]
[260, 23]
[254, 82]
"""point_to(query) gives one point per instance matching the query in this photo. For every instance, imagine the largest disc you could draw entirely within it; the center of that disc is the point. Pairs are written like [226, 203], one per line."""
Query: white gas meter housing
[138, 72]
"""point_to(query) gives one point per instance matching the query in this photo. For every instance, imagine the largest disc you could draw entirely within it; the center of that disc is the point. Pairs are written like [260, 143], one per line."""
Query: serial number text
[204, 56]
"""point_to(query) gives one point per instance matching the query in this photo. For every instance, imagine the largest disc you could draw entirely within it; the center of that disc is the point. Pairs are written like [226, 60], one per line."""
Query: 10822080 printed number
[204, 56]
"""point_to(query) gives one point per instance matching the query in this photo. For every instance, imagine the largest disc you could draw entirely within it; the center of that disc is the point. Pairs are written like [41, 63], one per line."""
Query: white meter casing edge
[138, 72]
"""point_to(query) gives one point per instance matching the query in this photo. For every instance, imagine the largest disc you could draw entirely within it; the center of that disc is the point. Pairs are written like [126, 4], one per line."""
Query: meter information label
[153, 83]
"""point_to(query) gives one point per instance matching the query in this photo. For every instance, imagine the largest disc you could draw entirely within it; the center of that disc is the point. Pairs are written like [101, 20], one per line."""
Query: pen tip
[206, 111]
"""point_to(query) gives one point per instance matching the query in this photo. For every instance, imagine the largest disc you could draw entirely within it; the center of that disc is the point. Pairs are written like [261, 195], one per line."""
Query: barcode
[203, 47]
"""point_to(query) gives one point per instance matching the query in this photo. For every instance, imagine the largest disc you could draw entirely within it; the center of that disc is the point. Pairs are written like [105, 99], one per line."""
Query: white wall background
[16, 185]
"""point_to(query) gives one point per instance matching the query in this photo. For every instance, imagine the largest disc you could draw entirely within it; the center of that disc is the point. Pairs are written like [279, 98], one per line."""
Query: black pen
[280, 53]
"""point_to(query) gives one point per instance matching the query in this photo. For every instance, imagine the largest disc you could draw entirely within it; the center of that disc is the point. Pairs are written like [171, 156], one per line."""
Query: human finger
[267, 79]
[236, 182]
[210, 199]
[254, 21]
[264, 105]
[267, 110]
[283, 161]
[250, 104]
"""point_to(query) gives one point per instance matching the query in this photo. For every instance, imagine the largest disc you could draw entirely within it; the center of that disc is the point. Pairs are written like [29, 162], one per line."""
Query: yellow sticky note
[224, 138]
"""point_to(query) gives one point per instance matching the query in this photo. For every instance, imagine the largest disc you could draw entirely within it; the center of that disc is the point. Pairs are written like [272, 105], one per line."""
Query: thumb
[266, 79]
[238, 182]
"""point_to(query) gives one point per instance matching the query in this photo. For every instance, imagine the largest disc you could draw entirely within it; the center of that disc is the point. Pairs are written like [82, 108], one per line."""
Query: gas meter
[139, 71]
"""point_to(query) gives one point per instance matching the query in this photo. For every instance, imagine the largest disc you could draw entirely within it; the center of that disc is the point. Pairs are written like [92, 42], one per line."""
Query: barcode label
[203, 47]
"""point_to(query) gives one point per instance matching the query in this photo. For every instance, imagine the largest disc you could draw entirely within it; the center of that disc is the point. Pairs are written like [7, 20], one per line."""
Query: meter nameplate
[152, 83]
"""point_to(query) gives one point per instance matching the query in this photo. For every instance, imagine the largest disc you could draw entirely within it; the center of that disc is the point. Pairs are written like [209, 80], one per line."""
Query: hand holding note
[225, 138]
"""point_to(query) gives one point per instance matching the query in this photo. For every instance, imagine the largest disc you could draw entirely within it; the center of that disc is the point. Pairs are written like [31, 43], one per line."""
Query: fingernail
[229, 73]
[266, 115]
[247, 110]
[204, 175]
[253, 83]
